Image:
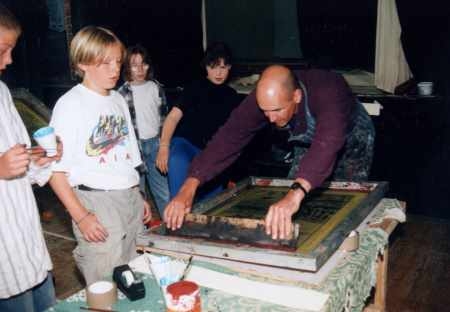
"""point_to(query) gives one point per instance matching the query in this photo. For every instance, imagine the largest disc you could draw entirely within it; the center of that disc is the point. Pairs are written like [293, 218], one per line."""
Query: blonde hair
[8, 20]
[89, 46]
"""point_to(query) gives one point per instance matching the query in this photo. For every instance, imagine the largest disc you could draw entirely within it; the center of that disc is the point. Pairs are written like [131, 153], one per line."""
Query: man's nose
[272, 117]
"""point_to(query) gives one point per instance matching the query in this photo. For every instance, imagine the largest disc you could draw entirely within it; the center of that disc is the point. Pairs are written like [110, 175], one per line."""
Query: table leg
[379, 301]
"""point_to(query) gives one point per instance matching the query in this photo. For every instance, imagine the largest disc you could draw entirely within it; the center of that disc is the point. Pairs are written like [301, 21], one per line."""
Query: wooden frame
[310, 259]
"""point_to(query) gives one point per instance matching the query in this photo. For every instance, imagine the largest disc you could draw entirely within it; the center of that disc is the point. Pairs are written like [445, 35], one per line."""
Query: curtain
[391, 67]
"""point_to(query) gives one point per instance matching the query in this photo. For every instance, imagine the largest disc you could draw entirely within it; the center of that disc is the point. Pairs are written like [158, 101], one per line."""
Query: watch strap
[298, 186]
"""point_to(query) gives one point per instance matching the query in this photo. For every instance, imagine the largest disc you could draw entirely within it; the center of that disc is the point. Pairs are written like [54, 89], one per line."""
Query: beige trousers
[120, 212]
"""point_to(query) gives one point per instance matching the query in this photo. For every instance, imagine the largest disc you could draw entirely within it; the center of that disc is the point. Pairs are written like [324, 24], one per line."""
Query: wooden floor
[419, 265]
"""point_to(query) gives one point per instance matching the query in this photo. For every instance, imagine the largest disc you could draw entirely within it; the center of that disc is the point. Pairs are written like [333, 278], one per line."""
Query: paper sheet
[289, 296]
[373, 109]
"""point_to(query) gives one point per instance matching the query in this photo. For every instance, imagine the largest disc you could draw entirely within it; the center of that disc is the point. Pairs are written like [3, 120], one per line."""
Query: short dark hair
[215, 52]
[8, 20]
[133, 50]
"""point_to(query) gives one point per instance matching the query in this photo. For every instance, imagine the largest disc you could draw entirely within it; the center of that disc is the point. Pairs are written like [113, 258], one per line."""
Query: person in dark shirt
[334, 133]
[204, 106]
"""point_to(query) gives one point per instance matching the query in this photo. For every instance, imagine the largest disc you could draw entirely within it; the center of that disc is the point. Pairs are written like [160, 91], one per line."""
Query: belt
[83, 187]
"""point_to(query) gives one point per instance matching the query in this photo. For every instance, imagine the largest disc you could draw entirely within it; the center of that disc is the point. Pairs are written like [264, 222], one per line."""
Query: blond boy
[96, 179]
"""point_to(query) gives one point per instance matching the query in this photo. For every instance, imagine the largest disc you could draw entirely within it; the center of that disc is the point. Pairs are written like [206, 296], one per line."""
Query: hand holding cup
[46, 138]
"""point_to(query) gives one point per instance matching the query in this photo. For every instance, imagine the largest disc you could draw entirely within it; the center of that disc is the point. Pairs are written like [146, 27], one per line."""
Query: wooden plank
[236, 252]
[380, 295]
[381, 286]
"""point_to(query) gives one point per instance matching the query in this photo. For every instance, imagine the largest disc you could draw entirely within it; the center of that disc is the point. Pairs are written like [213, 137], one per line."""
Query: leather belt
[83, 187]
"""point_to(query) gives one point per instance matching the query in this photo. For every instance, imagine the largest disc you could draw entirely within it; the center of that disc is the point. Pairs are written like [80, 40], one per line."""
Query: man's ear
[297, 96]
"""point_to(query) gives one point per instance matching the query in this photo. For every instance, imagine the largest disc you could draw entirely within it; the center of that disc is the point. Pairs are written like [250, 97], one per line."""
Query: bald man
[332, 134]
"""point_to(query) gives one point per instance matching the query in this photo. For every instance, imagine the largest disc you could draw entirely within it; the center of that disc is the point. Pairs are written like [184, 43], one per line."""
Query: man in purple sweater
[334, 132]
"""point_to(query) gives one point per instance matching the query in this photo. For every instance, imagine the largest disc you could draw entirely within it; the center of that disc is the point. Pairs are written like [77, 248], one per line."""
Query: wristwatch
[297, 186]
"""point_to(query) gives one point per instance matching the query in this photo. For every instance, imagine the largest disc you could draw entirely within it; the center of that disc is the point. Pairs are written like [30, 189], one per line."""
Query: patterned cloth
[348, 284]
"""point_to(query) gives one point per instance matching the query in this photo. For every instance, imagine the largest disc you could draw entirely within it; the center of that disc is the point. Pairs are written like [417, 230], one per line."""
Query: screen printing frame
[307, 261]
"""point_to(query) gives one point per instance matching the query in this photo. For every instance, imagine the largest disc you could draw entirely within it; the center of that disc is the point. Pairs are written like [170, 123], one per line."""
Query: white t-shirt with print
[100, 147]
[147, 104]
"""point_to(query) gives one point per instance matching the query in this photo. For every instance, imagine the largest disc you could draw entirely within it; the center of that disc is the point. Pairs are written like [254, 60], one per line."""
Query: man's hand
[14, 162]
[181, 204]
[147, 212]
[279, 217]
[92, 230]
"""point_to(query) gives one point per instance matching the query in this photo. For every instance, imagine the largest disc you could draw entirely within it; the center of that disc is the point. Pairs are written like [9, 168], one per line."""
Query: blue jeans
[37, 299]
[156, 180]
[181, 154]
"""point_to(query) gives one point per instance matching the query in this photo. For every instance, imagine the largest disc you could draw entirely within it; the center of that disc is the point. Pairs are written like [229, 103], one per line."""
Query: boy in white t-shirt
[96, 179]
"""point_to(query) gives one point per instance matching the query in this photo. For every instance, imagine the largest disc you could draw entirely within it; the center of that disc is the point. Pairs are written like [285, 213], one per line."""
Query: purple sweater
[331, 103]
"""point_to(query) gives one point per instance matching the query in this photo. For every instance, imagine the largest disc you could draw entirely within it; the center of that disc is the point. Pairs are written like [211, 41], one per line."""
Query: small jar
[183, 296]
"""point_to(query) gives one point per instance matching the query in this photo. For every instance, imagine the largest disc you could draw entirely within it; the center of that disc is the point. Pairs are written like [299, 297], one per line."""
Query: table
[348, 282]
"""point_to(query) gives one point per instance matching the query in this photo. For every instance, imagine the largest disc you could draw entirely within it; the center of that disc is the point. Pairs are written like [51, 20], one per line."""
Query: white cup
[425, 88]
[46, 138]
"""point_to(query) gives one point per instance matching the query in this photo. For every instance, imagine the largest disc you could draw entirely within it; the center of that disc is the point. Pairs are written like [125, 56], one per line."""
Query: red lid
[181, 288]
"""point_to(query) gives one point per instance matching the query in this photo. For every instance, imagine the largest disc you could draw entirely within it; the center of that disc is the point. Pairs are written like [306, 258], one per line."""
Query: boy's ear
[81, 67]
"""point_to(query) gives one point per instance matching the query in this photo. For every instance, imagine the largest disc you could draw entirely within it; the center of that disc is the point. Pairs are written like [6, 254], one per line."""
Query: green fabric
[349, 284]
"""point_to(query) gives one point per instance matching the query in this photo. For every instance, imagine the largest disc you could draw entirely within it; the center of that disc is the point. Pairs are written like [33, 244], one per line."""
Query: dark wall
[27, 68]
[338, 34]
[332, 34]
[426, 41]
[170, 30]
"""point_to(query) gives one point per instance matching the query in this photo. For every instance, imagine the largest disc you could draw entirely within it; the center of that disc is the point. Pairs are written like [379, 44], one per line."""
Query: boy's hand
[14, 162]
[162, 159]
[147, 212]
[92, 230]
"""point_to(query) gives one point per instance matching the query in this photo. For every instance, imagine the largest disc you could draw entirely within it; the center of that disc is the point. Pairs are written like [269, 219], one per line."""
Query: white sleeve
[65, 119]
[156, 96]
[11, 117]
[39, 175]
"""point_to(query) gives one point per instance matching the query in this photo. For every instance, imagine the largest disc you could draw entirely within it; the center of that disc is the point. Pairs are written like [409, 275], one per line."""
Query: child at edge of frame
[96, 179]
[26, 281]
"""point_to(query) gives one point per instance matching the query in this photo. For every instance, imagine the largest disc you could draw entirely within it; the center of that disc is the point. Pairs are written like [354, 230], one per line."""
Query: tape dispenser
[128, 283]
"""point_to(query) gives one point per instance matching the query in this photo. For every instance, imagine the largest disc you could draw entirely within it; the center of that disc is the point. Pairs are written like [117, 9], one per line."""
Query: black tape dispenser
[128, 283]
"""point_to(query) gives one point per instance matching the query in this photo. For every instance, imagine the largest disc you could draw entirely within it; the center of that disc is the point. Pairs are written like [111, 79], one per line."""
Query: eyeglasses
[136, 67]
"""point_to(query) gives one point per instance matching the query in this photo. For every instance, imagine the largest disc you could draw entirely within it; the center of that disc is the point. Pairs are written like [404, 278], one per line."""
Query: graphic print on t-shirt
[109, 132]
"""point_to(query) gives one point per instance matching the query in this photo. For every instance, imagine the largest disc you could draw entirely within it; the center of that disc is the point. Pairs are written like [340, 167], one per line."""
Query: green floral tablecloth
[348, 284]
